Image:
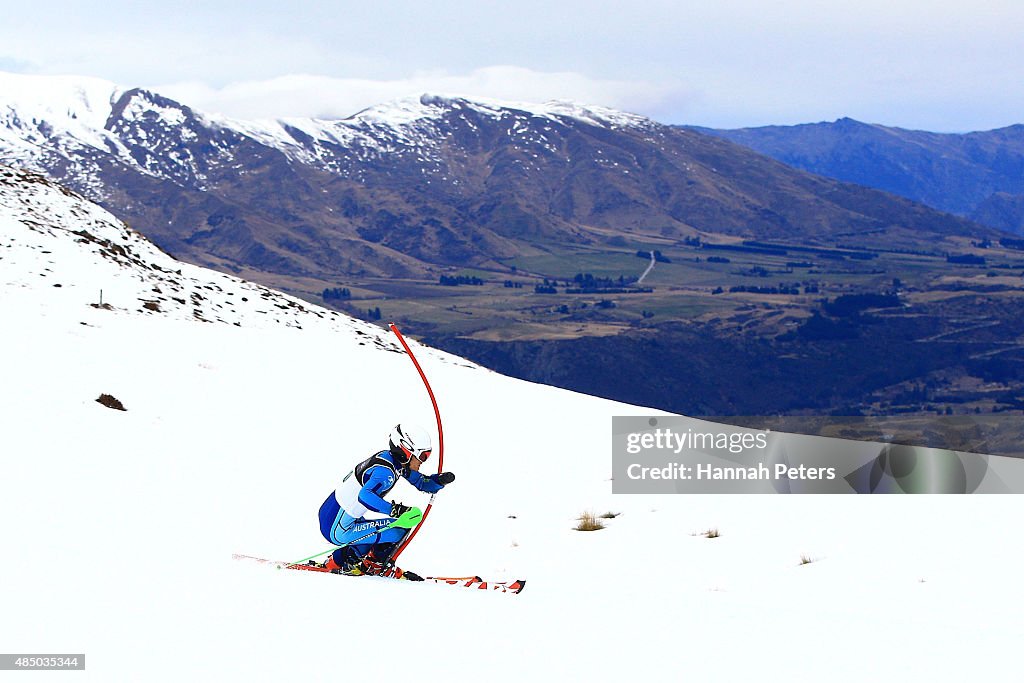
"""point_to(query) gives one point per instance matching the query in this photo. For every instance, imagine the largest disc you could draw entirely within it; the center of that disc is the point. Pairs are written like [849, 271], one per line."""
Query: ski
[512, 587]
[310, 566]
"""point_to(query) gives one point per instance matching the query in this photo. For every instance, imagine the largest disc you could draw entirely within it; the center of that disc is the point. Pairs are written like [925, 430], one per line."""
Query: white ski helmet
[409, 440]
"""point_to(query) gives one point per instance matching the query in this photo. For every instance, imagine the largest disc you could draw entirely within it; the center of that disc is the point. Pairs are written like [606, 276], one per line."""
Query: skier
[362, 490]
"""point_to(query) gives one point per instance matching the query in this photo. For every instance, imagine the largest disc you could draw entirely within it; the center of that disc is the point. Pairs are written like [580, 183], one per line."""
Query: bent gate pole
[440, 439]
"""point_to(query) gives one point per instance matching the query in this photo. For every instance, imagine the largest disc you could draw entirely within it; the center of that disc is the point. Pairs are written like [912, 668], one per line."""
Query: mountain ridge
[979, 175]
[429, 183]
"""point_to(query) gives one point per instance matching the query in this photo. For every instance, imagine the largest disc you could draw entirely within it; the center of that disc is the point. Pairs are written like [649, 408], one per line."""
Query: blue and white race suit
[363, 490]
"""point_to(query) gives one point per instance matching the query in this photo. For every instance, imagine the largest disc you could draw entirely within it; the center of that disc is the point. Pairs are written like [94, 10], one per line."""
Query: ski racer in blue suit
[342, 515]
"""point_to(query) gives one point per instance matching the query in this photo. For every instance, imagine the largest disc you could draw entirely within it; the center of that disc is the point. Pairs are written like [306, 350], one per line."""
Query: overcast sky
[935, 64]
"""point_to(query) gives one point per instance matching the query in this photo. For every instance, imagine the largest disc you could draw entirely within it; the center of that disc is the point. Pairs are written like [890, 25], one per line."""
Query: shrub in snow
[588, 522]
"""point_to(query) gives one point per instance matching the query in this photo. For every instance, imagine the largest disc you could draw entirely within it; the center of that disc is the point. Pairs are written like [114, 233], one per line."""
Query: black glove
[444, 478]
[397, 509]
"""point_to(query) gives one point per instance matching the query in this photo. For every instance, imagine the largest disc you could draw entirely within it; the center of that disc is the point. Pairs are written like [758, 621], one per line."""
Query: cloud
[329, 97]
[15, 65]
[937, 64]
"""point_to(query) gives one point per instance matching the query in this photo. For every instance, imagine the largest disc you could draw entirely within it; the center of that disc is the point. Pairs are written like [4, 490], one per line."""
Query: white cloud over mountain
[308, 95]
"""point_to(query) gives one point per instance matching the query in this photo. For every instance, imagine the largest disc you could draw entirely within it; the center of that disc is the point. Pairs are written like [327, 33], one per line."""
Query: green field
[689, 287]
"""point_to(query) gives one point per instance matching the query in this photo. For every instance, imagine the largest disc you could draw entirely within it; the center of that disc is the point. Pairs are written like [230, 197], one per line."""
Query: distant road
[649, 268]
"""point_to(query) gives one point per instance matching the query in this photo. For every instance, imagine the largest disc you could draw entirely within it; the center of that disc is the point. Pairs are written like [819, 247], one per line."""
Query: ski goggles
[422, 456]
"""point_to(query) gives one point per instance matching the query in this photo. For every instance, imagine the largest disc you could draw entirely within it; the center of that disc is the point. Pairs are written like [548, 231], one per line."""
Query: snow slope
[242, 415]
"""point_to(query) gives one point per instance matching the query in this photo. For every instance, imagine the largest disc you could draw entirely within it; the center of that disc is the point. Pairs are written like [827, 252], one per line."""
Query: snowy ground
[119, 526]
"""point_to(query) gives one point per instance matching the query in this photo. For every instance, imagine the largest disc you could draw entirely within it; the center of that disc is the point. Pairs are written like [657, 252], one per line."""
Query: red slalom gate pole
[440, 440]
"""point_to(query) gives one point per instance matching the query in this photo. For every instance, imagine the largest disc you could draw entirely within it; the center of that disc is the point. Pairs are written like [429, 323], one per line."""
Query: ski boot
[377, 562]
[348, 562]
[343, 561]
[373, 563]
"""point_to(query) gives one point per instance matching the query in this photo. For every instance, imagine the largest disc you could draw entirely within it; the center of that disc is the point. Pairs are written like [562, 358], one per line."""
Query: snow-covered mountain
[195, 182]
[417, 126]
[58, 123]
[244, 407]
[74, 117]
[406, 188]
